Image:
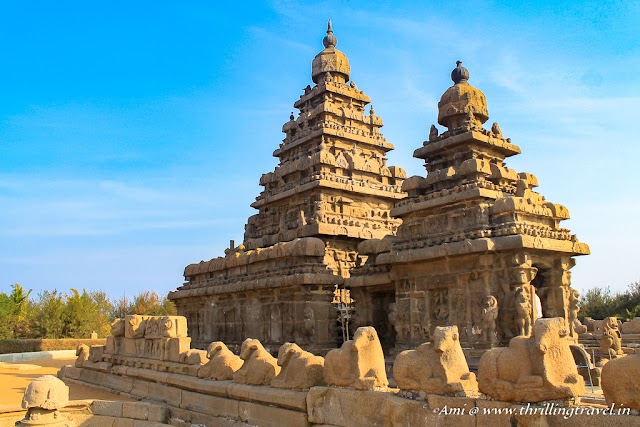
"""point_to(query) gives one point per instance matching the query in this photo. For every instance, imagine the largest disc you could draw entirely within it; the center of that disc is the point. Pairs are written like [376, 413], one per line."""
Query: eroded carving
[299, 369]
[259, 367]
[358, 364]
[532, 369]
[438, 368]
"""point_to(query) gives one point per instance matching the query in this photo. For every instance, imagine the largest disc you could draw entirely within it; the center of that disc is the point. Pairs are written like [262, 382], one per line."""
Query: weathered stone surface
[222, 363]
[82, 351]
[345, 407]
[194, 357]
[259, 367]
[270, 416]
[43, 398]
[174, 347]
[620, 382]
[164, 393]
[439, 367]
[291, 399]
[611, 341]
[358, 364]
[46, 392]
[96, 352]
[532, 369]
[631, 327]
[299, 369]
[158, 414]
[212, 405]
[135, 410]
[165, 327]
[107, 408]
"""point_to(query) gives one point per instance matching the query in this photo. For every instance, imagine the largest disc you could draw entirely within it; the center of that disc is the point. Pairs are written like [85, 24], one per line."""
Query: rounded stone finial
[330, 65]
[46, 392]
[459, 74]
[329, 40]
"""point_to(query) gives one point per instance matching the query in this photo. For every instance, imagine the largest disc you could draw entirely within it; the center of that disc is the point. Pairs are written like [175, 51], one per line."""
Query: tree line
[54, 314]
[599, 303]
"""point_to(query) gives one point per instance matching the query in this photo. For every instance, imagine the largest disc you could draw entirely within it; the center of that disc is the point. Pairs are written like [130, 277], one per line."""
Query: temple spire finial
[329, 40]
[459, 74]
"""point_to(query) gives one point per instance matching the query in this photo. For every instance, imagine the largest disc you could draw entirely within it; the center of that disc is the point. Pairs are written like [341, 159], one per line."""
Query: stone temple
[471, 244]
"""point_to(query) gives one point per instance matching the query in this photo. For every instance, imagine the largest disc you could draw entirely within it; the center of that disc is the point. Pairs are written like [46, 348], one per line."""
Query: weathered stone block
[134, 326]
[97, 421]
[142, 423]
[118, 383]
[135, 410]
[292, 399]
[212, 405]
[158, 413]
[140, 388]
[107, 408]
[269, 416]
[123, 422]
[165, 327]
[95, 353]
[345, 407]
[397, 411]
[174, 347]
[69, 371]
[154, 348]
[163, 393]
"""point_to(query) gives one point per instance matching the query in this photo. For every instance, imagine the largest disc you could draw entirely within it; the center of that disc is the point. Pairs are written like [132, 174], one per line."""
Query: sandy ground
[14, 378]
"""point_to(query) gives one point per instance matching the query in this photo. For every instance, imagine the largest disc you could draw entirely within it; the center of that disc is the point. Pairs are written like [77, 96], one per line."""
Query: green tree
[50, 315]
[146, 302]
[14, 312]
[82, 314]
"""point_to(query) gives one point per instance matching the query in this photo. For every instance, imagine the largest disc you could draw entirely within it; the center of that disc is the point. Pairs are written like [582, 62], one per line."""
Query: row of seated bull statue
[531, 369]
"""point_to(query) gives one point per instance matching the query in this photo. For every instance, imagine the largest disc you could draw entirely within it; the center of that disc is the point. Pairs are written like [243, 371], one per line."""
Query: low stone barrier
[150, 359]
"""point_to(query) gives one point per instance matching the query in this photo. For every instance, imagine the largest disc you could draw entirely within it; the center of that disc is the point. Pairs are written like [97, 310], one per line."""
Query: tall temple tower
[333, 181]
[478, 247]
[331, 190]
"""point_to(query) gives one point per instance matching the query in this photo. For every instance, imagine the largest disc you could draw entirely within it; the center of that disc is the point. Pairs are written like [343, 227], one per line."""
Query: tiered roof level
[332, 180]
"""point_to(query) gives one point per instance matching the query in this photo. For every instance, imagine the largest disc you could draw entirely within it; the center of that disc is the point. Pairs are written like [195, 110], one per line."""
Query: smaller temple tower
[478, 247]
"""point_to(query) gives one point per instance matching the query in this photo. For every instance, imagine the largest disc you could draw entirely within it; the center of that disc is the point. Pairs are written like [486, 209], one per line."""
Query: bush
[55, 315]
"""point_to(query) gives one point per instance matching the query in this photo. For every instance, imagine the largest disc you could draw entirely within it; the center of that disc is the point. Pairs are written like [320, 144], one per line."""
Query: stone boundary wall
[36, 355]
[31, 345]
[212, 403]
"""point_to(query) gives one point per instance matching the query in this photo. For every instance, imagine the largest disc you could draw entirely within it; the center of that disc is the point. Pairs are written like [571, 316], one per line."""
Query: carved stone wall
[478, 247]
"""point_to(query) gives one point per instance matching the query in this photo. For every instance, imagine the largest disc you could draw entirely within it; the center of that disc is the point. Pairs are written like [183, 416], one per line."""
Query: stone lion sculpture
[436, 368]
[358, 364]
[299, 369]
[619, 382]
[611, 341]
[222, 363]
[532, 369]
[259, 367]
[82, 351]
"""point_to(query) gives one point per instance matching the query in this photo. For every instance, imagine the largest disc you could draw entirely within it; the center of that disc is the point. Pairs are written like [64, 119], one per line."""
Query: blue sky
[133, 134]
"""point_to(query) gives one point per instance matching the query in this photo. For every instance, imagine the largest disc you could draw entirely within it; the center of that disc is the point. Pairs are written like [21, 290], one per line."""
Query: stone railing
[349, 387]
